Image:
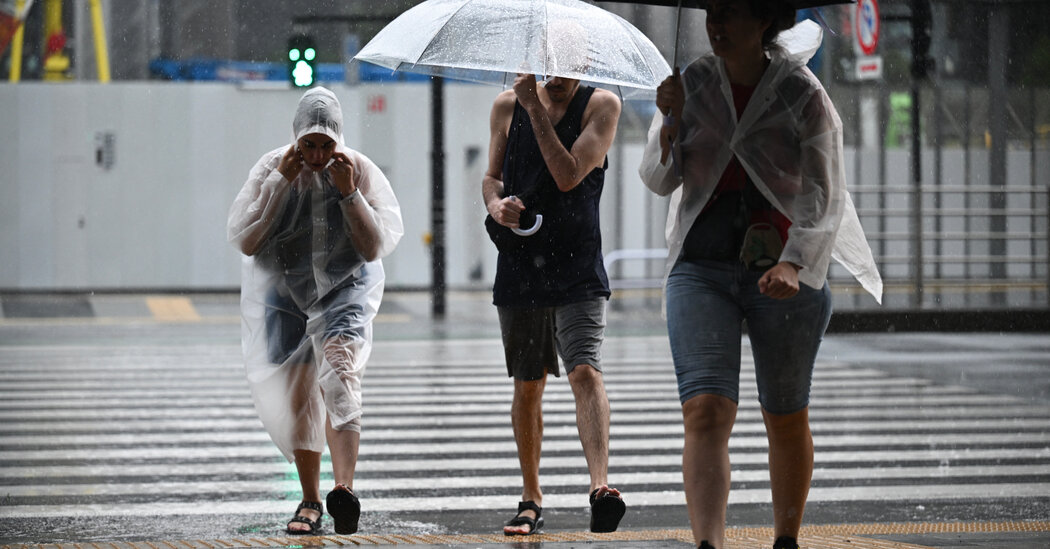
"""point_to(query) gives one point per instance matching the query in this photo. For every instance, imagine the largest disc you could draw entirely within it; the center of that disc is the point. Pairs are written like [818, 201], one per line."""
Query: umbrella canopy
[493, 40]
[702, 4]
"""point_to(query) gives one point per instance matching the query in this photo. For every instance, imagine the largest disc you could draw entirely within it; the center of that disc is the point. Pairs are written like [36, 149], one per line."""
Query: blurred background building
[146, 34]
[957, 216]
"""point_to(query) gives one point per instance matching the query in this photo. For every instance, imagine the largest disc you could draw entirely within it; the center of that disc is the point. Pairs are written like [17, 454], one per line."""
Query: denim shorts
[707, 304]
[534, 337]
[286, 324]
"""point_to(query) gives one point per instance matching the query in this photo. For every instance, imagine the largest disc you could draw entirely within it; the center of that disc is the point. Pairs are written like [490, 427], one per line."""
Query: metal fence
[961, 235]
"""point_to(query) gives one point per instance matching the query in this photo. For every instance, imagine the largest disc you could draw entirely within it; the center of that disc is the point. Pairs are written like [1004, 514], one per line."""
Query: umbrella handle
[532, 230]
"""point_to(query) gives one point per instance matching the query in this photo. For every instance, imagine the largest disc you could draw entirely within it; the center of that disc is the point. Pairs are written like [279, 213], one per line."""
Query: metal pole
[99, 31]
[967, 218]
[677, 30]
[998, 60]
[920, 20]
[1033, 183]
[437, 197]
[15, 74]
[916, 194]
[881, 167]
[938, 159]
[858, 149]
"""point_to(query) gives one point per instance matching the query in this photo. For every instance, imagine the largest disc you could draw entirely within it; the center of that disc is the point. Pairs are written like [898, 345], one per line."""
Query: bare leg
[526, 415]
[343, 355]
[344, 447]
[708, 421]
[308, 464]
[592, 421]
[790, 468]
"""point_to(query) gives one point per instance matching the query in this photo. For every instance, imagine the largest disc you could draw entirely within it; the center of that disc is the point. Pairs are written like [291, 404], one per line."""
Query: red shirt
[734, 178]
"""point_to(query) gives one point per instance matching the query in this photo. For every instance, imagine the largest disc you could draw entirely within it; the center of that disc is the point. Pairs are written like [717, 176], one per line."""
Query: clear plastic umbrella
[492, 40]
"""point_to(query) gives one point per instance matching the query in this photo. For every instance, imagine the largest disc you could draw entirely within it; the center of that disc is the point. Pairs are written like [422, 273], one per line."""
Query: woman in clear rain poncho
[313, 220]
[750, 148]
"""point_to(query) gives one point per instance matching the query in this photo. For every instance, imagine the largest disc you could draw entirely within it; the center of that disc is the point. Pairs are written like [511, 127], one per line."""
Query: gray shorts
[534, 337]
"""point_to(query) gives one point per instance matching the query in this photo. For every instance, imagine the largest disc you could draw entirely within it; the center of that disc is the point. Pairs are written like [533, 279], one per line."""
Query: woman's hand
[342, 171]
[670, 99]
[670, 96]
[780, 282]
[291, 163]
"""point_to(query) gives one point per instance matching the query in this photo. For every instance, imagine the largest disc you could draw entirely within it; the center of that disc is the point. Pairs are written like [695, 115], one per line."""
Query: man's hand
[507, 211]
[525, 90]
[342, 171]
[780, 282]
[291, 163]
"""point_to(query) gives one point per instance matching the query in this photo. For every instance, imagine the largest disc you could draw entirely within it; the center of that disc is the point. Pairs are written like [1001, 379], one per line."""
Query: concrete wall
[149, 211]
[152, 213]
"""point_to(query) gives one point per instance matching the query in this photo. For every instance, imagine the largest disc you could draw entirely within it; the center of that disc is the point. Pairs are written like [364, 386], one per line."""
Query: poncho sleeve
[255, 211]
[380, 207]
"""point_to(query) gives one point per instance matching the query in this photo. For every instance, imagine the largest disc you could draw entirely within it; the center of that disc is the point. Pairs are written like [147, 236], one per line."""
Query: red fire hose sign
[867, 25]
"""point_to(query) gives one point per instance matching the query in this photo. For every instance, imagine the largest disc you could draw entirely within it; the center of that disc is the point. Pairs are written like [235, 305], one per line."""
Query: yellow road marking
[178, 309]
[852, 536]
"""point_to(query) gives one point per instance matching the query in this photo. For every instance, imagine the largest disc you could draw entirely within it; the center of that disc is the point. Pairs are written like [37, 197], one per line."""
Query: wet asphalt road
[122, 425]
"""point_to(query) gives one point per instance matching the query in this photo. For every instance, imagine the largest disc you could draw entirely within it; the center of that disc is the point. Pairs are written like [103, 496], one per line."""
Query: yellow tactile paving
[179, 309]
[851, 536]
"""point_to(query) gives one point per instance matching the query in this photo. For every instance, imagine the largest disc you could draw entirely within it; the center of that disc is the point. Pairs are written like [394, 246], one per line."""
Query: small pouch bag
[761, 248]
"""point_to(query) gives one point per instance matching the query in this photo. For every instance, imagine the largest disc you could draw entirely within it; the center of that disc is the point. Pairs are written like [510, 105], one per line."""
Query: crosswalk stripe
[250, 434]
[945, 460]
[368, 485]
[552, 403]
[453, 385]
[177, 434]
[887, 417]
[568, 443]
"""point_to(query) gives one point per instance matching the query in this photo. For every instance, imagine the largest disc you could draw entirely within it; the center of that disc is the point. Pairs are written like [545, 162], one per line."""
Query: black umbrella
[702, 4]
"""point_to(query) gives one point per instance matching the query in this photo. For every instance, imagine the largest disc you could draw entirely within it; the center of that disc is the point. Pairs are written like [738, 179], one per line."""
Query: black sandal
[315, 525]
[345, 509]
[534, 524]
[606, 512]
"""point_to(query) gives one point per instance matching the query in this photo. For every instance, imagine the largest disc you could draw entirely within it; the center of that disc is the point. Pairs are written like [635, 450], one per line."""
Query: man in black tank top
[547, 156]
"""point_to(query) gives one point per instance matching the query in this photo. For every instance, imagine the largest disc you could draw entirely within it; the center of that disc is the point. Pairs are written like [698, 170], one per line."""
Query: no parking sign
[867, 25]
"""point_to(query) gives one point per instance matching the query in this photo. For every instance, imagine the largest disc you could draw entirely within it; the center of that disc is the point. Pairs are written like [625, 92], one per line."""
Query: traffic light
[302, 59]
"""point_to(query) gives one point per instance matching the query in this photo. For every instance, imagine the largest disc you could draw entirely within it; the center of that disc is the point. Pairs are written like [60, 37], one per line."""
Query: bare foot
[522, 529]
[301, 527]
[527, 510]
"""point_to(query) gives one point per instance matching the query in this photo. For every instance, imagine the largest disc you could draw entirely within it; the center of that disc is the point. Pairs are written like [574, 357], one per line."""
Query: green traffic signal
[302, 74]
[302, 53]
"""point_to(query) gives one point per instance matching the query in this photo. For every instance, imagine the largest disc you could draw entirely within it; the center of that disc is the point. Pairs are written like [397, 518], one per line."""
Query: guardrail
[635, 254]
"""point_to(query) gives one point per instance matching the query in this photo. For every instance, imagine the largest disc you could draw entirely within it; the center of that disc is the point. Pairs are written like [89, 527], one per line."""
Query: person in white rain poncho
[750, 147]
[313, 220]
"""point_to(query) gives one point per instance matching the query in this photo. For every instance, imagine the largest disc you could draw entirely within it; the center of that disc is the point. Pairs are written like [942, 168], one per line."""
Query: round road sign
[867, 25]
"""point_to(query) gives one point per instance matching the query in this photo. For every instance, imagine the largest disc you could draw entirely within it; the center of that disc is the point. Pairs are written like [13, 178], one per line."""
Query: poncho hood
[319, 112]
